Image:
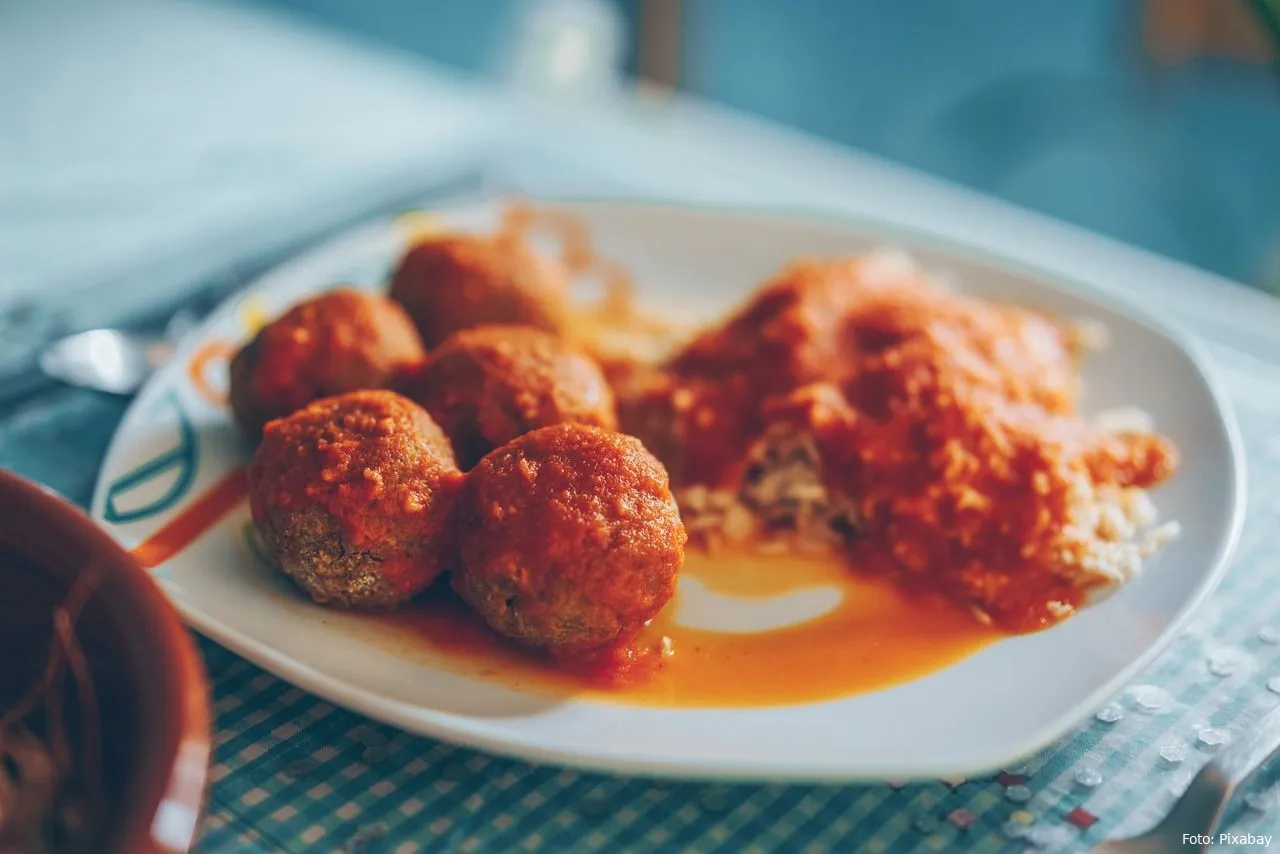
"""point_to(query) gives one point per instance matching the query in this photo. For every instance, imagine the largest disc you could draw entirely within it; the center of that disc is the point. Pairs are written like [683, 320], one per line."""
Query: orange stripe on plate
[198, 366]
[194, 520]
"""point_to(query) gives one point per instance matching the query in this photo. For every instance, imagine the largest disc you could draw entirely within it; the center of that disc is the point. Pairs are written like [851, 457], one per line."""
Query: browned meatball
[702, 410]
[345, 340]
[699, 428]
[460, 281]
[487, 385]
[571, 539]
[787, 334]
[352, 496]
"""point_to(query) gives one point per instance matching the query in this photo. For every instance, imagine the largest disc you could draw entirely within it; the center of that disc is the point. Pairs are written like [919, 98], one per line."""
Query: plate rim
[459, 729]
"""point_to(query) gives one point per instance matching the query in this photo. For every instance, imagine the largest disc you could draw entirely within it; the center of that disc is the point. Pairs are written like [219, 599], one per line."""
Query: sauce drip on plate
[873, 636]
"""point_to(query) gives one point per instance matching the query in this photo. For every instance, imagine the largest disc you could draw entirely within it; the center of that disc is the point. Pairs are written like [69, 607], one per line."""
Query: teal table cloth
[291, 773]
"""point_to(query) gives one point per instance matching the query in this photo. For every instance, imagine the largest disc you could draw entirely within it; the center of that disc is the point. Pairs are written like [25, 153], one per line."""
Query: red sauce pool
[877, 636]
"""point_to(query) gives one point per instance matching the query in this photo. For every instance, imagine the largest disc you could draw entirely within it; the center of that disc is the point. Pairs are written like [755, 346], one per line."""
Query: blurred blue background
[1054, 106]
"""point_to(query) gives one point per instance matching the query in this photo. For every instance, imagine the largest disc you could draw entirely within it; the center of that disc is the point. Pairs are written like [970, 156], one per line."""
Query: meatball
[786, 335]
[699, 428]
[460, 281]
[701, 410]
[352, 496]
[487, 385]
[571, 539]
[345, 340]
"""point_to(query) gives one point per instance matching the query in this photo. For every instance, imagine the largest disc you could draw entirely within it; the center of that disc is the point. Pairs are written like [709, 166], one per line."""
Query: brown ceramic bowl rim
[170, 780]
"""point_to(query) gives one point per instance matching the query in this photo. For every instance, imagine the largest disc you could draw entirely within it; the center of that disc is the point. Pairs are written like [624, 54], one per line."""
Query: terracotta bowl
[152, 693]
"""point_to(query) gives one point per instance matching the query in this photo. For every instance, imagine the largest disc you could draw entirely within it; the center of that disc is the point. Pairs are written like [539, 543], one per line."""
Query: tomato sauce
[877, 636]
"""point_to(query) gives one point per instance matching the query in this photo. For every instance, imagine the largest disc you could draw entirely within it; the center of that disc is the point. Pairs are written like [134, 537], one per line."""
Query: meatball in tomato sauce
[702, 408]
[345, 340]
[456, 282]
[793, 329]
[486, 386]
[571, 540]
[352, 496]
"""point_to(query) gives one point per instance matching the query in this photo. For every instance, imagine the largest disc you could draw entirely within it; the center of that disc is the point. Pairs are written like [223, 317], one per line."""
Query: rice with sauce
[783, 507]
[857, 406]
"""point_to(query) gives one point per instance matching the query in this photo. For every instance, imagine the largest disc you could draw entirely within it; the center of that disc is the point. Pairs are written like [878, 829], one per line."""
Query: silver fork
[1197, 813]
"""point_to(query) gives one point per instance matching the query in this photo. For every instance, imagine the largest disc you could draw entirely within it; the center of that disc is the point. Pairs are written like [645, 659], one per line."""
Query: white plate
[989, 710]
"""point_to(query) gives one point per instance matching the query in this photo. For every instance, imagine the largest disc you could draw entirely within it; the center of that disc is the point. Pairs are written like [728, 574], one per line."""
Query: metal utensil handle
[1242, 759]
[1201, 806]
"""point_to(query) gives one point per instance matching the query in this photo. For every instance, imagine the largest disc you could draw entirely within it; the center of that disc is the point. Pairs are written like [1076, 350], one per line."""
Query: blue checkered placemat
[292, 773]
